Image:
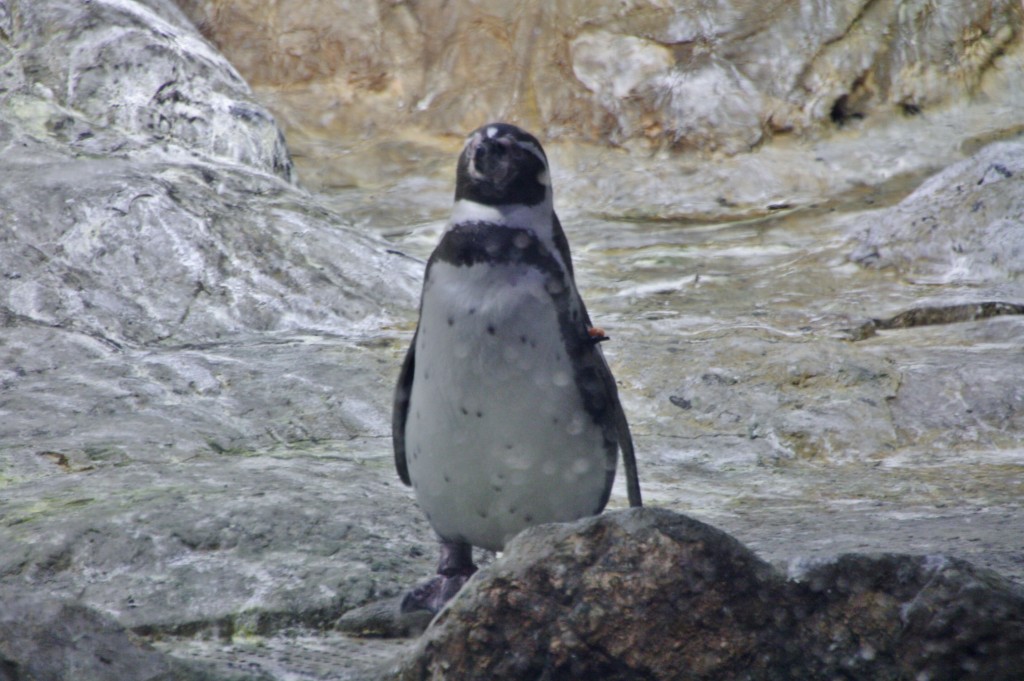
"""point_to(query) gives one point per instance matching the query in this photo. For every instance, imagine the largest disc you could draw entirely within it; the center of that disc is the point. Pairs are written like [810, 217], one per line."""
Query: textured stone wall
[722, 75]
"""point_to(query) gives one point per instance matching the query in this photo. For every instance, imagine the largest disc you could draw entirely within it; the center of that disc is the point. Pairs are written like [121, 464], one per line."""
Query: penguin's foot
[432, 594]
[453, 570]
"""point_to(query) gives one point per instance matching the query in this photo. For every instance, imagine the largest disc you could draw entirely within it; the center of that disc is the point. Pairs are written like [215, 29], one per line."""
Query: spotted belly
[497, 435]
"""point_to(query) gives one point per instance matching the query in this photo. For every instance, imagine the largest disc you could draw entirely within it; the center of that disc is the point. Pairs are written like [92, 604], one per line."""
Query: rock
[117, 77]
[190, 344]
[145, 239]
[233, 252]
[384, 619]
[834, 401]
[961, 226]
[956, 399]
[899, 616]
[722, 77]
[104, 202]
[222, 546]
[651, 594]
[57, 640]
[781, 400]
[948, 314]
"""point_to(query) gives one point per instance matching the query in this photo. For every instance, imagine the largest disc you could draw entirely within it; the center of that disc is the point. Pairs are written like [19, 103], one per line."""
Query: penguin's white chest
[497, 436]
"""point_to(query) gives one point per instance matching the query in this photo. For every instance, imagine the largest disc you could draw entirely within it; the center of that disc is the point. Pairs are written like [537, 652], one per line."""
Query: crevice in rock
[247, 623]
[10, 318]
[948, 314]
[933, 315]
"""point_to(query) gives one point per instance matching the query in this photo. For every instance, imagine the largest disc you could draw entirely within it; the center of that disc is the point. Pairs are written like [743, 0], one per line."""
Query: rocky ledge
[651, 594]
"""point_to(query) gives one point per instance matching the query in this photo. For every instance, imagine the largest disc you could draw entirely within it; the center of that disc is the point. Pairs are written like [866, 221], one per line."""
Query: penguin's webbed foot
[453, 570]
[432, 594]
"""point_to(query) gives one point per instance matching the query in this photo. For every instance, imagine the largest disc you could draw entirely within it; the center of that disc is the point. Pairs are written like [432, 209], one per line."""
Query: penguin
[506, 414]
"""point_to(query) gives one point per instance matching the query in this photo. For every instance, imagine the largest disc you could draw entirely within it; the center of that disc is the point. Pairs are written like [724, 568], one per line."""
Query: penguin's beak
[490, 159]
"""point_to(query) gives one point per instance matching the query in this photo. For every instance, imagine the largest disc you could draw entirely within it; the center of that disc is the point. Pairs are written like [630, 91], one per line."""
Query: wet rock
[57, 640]
[130, 225]
[145, 253]
[649, 594]
[900, 616]
[961, 226]
[955, 398]
[665, 74]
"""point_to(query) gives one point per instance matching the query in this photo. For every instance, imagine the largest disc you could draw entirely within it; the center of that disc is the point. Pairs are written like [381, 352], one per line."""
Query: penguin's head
[500, 165]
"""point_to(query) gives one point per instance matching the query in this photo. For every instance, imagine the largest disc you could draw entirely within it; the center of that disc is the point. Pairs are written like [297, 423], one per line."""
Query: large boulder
[649, 594]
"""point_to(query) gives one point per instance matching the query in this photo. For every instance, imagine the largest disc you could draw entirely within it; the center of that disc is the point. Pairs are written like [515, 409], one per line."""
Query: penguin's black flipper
[628, 460]
[617, 427]
[400, 410]
[562, 244]
[605, 393]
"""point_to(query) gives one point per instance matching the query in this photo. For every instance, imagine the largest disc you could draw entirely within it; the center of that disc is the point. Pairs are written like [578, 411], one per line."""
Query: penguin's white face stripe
[473, 172]
[533, 149]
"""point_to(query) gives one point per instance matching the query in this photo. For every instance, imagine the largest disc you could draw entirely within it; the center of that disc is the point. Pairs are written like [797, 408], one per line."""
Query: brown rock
[649, 594]
[665, 74]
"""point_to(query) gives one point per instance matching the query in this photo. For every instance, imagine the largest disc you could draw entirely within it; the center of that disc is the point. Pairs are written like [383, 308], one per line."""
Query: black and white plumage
[506, 414]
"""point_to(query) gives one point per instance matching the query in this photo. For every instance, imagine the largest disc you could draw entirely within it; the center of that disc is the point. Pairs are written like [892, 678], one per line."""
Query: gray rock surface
[220, 546]
[960, 226]
[52, 640]
[164, 290]
[649, 594]
[147, 243]
[113, 78]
